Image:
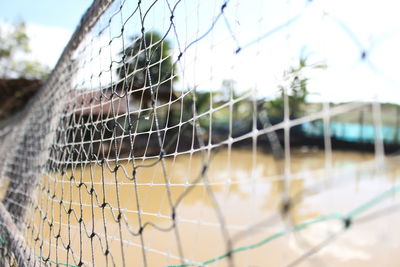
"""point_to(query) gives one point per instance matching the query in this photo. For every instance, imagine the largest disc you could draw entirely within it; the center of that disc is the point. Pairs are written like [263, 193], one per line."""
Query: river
[243, 190]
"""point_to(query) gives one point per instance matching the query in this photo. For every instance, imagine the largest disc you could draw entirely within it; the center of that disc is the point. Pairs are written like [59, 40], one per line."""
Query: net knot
[173, 215]
[229, 254]
[287, 205]
[223, 7]
[347, 222]
[116, 168]
[129, 127]
[363, 55]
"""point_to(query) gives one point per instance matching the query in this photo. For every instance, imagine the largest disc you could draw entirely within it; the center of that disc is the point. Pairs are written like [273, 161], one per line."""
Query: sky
[58, 14]
[332, 32]
[50, 24]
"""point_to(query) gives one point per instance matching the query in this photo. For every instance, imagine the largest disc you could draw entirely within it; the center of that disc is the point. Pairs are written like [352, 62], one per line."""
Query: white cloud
[47, 43]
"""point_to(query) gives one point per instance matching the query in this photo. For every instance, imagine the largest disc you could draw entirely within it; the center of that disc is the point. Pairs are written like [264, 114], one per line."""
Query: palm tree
[296, 91]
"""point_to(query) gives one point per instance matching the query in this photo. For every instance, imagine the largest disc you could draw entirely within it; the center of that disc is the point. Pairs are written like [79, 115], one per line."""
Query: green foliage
[14, 44]
[296, 90]
[159, 56]
[202, 104]
[202, 101]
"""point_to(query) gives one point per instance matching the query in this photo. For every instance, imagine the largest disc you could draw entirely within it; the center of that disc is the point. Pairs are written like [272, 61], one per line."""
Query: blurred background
[33, 35]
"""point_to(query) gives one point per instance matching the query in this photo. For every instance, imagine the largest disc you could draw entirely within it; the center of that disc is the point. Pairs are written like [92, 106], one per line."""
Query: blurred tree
[296, 90]
[161, 68]
[14, 45]
[202, 104]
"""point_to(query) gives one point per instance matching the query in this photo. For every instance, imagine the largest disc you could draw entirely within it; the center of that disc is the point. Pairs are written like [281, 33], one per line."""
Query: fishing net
[193, 133]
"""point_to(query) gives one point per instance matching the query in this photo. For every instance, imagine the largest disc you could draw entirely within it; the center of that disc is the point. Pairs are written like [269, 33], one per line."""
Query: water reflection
[248, 186]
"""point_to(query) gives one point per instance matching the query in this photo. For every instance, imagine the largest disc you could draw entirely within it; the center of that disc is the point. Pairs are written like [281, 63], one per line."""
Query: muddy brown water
[248, 190]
